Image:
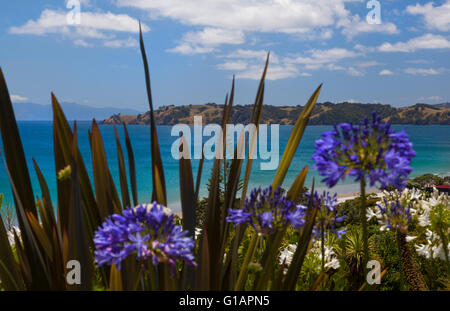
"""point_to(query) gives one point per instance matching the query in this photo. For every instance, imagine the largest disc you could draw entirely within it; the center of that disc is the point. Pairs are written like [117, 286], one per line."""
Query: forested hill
[323, 114]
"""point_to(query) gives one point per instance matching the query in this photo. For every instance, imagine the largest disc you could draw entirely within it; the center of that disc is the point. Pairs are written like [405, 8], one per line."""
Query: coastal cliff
[323, 114]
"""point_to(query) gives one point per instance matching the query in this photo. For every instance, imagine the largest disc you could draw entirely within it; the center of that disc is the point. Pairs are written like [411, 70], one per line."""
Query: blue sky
[196, 46]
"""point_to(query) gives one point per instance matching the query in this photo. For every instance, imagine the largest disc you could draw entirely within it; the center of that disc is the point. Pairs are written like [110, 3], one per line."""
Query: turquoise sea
[432, 144]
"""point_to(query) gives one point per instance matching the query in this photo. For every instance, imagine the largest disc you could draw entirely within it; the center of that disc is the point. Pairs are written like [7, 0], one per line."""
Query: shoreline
[341, 197]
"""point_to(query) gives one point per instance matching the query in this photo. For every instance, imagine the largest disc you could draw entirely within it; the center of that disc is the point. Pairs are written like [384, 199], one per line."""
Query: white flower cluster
[434, 246]
[331, 260]
[426, 205]
[421, 208]
[375, 212]
[287, 254]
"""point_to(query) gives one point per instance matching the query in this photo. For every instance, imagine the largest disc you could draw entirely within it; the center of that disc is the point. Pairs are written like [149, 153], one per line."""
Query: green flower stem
[247, 259]
[364, 223]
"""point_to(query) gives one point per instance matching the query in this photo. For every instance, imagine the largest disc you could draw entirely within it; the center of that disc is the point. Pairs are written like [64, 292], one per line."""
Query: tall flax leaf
[15, 157]
[42, 238]
[294, 139]
[296, 189]
[47, 215]
[24, 265]
[62, 145]
[202, 277]
[230, 185]
[51, 228]
[231, 264]
[288, 154]
[122, 173]
[214, 212]
[77, 238]
[188, 199]
[188, 202]
[47, 235]
[159, 183]
[302, 247]
[255, 119]
[131, 166]
[199, 175]
[32, 260]
[105, 190]
[16, 166]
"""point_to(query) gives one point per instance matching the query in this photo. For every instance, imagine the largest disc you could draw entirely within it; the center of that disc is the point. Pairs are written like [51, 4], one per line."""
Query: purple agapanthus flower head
[327, 216]
[395, 215]
[147, 231]
[371, 150]
[266, 211]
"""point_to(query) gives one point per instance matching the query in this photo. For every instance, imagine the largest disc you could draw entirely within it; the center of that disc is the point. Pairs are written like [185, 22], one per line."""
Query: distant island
[323, 114]
[73, 111]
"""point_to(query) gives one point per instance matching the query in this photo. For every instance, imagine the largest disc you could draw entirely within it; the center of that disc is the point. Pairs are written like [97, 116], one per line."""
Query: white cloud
[253, 54]
[215, 36]
[334, 67]
[250, 63]
[423, 71]
[368, 64]
[355, 72]
[233, 65]
[363, 48]
[386, 72]
[309, 19]
[191, 50]
[83, 43]
[275, 72]
[418, 61]
[328, 59]
[93, 26]
[427, 41]
[130, 42]
[285, 16]
[319, 57]
[206, 40]
[431, 98]
[436, 17]
[17, 98]
[354, 25]
[323, 34]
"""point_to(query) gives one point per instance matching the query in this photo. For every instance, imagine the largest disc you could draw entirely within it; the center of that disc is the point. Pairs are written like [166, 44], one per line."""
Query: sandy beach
[342, 197]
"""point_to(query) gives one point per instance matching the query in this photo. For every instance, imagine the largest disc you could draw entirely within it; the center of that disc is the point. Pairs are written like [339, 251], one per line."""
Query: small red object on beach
[443, 188]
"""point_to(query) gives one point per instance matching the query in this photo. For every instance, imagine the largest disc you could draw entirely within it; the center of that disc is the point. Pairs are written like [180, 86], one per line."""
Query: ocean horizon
[431, 143]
